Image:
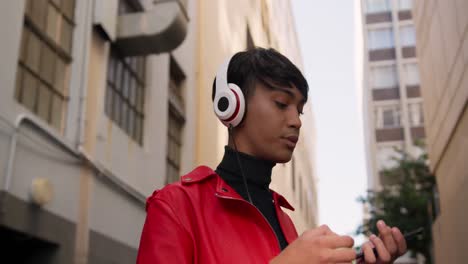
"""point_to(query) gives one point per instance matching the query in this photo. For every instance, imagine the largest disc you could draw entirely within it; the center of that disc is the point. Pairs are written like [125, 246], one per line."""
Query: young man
[230, 215]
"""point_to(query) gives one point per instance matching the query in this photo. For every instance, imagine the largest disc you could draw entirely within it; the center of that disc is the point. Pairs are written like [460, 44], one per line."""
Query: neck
[257, 171]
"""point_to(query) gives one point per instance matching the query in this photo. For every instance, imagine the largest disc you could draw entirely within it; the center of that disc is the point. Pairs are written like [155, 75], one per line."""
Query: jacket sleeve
[164, 239]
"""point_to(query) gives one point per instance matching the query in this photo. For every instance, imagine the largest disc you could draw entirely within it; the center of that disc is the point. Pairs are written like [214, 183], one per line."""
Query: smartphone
[407, 236]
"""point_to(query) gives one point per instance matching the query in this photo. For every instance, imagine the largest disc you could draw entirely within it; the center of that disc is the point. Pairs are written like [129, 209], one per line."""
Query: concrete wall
[442, 38]
[103, 218]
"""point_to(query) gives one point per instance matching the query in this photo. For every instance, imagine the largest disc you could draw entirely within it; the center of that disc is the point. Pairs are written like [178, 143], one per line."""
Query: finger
[369, 255]
[320, 231]
[400, 240]
[334, 241]
[387, 237]
[382, 252]
[342, 255]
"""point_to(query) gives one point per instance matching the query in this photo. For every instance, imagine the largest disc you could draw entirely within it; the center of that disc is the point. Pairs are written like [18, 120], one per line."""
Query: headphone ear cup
[224, 104]
[229, 105]
[239, 110]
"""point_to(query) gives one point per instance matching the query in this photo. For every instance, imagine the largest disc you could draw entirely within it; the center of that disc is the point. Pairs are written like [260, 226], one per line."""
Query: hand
[390, 244]
[319, 245]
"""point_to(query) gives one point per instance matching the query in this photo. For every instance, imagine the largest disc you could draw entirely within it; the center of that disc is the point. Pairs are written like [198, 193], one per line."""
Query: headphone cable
[231, 130]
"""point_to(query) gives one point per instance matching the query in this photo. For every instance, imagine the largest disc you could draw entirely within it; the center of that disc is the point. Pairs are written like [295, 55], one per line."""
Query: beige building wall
[222, 31]
[442, 34]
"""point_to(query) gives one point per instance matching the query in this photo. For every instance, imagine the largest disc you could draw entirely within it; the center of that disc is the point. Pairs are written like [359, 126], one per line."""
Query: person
[229, 215]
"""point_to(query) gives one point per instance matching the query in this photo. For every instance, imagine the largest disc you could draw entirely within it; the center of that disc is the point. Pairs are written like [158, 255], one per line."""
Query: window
[411, 74]
[388, 117]
[380, 38]
[407, 36]
[416, 115]
[378, 6]
[384, 77]
[406, 4]
[43, 72]
[176, 121]
[125, 93]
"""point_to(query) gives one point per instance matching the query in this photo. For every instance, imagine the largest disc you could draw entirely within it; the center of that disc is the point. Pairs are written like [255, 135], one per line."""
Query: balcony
[159, 30]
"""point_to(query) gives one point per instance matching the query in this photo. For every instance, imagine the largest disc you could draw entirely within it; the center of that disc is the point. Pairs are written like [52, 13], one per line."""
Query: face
[271, 126]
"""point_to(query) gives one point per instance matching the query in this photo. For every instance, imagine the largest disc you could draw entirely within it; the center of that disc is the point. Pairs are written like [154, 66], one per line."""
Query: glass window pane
[24, 44]
[416, 114]
[377, 6]
[52, 22]
[142, 99]
[57, 3]
[111, 68]
[117, 102]
[108, 100]
[141, 68]
[38, 13]
[118, 75]
[407, 36]
[44, 102]
[406, 4]
[59, 82]
[48, 59]
[66, 36]
[380, 38]
[126, 83]
[56, 112]
[133, 89]
[33, 52]
[384, 77]
[68, 7]
[411, 74]
[30, 84]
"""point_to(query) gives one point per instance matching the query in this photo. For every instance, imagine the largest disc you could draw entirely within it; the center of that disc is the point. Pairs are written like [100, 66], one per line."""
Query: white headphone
[229, 102]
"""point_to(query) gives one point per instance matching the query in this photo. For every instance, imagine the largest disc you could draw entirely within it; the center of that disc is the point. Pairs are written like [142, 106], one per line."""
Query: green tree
[405, 200]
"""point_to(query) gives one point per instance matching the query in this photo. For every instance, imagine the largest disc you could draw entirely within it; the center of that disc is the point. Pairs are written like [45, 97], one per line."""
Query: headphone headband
[221, 76]
[229, 103]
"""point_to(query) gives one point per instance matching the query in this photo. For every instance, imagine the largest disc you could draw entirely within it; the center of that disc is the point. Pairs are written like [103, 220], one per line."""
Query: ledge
[159, 30]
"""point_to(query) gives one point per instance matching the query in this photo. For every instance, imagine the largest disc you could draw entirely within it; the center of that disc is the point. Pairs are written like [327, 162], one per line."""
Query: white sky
[328, 33]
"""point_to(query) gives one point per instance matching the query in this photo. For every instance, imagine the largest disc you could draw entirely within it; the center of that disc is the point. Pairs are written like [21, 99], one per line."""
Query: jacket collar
[223, 190]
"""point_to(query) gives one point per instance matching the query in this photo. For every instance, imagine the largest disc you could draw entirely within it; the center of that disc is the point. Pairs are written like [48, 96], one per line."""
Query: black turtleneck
[258, 175]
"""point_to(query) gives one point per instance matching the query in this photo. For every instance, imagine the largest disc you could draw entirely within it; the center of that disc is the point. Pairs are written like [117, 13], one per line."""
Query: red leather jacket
[201, 219]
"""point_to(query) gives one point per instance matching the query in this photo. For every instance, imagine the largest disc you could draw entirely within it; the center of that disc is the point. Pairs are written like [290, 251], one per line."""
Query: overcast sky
[329, 40]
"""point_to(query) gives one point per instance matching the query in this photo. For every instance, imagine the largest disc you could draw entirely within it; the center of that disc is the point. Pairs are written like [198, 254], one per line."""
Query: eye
[281, 105]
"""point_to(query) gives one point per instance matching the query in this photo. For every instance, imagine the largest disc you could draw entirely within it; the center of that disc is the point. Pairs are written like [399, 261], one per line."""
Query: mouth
[291, 141]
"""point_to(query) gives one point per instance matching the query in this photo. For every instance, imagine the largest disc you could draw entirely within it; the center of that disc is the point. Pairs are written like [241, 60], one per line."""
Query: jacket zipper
[264, 218]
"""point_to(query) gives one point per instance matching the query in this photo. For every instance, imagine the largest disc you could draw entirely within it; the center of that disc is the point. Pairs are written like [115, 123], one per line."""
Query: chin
[283, 157]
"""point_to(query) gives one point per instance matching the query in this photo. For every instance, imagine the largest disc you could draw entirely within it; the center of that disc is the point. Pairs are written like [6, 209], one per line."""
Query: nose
[294, 120]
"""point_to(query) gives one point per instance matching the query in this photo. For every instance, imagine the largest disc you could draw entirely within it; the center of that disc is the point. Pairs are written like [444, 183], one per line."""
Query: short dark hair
[267, 66]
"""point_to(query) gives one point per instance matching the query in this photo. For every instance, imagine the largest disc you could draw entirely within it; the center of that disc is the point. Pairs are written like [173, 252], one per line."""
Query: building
[442, 44]
[104, 101]
[88, 91]
[230, 26]
[392, 103]
[393, 114]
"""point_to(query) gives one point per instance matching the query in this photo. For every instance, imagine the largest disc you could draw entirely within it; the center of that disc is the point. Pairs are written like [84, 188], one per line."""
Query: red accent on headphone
[237, 108]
